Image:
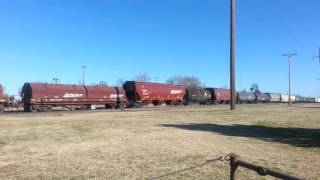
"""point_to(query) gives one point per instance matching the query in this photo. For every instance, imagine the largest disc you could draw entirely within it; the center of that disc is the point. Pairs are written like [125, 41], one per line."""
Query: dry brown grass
[138, 145]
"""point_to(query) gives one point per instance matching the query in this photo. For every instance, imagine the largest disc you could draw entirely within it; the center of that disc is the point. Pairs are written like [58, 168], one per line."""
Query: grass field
[143, 144]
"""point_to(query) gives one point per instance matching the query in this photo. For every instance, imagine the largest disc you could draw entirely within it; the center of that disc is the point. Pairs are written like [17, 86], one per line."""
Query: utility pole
[290, 55]
[232, 55]
[83, 74]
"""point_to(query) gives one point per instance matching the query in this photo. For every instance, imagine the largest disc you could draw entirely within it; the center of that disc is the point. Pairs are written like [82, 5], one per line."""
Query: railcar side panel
[219, 95]
[274, 97]
[143, 93]
[246, 97]
[1, 92]
[299, 99]
[284, 98]
[2, 99]
[262, 98]
[198, 96]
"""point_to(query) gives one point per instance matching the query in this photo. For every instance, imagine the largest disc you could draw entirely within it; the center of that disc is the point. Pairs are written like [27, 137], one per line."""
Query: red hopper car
[219, 95]
[143, 93]
[2, 99]
[43, 96]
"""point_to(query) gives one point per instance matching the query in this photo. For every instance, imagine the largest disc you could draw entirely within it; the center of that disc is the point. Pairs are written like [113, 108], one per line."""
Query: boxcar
[318, 100]
[143, 93]
[284, 98]
[262, 98]
[293, 98]
[197, 96]
[246, 97]
[274, 97]
[219, 95]
[2, 99]
[44, 96]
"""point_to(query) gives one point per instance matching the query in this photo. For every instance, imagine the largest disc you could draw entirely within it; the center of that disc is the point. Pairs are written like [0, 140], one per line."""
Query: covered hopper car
[144, 93]
[219, 95]
[197, 96]
[309, 100]
[44, 96]
[262, 98]
[299, 99]
[274, 97]
[284, 98]
[246, 97]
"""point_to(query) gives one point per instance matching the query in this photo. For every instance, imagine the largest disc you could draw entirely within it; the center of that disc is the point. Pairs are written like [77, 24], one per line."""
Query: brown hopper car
[44, 96]
[219, 95]
[2, 99]
[143, 93]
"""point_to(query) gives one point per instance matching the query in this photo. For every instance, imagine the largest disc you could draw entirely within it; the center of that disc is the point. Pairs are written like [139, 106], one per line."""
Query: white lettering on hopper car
[175, 91]
[70, 95]
[116, 96]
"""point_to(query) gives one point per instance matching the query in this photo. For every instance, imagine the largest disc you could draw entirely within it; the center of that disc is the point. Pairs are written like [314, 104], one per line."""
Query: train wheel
[47, 108]
[33, 108]
[1, 108]
[122, 105]
[108, 106]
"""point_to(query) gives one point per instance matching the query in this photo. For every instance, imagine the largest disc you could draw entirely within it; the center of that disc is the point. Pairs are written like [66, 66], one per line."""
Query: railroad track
[61, 112]
[144, 109]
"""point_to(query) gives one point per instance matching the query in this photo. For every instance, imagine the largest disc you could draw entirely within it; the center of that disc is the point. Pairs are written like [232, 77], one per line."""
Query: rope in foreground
[235, 162]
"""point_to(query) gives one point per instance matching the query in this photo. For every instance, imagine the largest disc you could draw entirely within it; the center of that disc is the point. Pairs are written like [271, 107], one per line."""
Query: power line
[290, 55]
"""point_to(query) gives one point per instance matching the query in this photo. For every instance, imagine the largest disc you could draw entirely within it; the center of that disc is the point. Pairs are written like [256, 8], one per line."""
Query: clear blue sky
[42, 39]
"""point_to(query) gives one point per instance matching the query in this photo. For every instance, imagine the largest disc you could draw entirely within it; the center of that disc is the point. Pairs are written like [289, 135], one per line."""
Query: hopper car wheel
[47, 108]
[138, 105]
[122, 106]
[26, 108]
[33, 108]
[1, 108]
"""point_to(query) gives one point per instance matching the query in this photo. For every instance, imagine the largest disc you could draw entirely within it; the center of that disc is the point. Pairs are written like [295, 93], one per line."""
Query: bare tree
[103, 83]
[143, 77]
[188, 81]
[255, 88]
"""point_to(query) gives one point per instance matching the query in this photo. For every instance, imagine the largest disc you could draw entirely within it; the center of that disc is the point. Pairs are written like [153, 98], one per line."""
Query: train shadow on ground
[299, 137]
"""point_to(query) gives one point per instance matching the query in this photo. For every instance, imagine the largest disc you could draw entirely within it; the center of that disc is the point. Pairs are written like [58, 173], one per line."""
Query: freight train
[42, 97]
